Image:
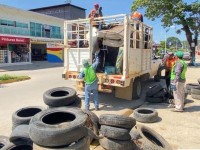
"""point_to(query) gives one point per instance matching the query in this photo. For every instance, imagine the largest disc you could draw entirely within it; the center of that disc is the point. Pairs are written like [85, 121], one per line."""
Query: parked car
[186, 56]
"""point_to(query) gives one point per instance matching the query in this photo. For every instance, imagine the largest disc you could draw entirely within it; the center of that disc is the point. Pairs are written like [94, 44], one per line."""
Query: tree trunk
[190, 41]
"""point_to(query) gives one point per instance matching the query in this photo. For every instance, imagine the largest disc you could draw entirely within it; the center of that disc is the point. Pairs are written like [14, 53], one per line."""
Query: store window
[3, 54]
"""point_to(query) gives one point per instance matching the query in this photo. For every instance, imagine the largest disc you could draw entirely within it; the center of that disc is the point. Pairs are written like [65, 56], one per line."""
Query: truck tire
[152, 140]
[82, 144]
[50, 127]
[24, 115]
[115, 133]
[156, 78]
[3, 141]
[195, 90]
[111, 144]
[134, 133]
[145, 115]
[161, 93]
[60, 96]
[137, 88]
[159, 72]
[153, 90]
[195, 96]
[189, 86]
[20, 134]
[117, 121]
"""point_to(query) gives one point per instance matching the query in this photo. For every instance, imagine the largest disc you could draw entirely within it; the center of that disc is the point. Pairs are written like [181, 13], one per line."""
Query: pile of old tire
[24, 115]
[145, 115]
[147, 139]
[156, 94]
[115, 132]
[61, 96]
[195, 93]
[5, 144]
[60, 128]
[189, 86]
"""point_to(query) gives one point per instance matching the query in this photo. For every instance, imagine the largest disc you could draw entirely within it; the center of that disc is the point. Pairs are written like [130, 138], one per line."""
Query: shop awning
[14, 40]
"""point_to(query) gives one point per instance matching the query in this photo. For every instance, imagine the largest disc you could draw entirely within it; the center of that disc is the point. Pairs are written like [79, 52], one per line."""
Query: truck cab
[124, 47]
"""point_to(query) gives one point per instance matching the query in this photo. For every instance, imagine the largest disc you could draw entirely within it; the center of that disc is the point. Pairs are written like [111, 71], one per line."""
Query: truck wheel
[3, 141]
[115, 133]
[137, 88]
[153, 90]
[159, 72]
[145, 115]
[20, 134]
[152, 140]
[111, 144]
[24, 115]
[50, 127]
[60, 96]
[117, 121]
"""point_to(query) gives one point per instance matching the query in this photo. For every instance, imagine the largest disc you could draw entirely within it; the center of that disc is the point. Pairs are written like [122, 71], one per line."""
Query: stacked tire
[190, 86]
[60, 128]
[156, 94]
[195, 93]
[61, 96]
[115, 132]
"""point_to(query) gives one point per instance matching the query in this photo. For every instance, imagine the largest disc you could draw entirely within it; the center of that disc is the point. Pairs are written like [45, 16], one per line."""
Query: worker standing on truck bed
[178, 81]
[91, 82]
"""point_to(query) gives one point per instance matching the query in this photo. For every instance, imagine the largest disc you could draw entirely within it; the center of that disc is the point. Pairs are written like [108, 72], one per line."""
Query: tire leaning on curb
[24, 115]
[50, 127]
[152, 140]
[117, 121]
[145, 115]
[60, 96]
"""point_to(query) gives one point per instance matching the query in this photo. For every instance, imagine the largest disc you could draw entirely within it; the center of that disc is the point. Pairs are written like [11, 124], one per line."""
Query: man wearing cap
[91, 82]
[178, 81]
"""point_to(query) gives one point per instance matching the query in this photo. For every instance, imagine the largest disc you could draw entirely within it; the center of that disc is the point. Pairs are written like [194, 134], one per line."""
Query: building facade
[25, 36]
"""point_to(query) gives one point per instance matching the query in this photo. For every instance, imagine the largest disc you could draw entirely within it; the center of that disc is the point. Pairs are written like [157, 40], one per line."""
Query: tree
[174, 12]
[174, 42]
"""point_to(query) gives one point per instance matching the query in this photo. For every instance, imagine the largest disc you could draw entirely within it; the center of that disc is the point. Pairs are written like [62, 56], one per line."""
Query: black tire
[20, 134]
[17, 146]
[135, 135]
[153, 90]
[154, 99]
[159, 72]
[156, 78]
[111, 144]
[195, 96]
[189, 86]
[152, 140]
[137, 88]
[195, 90]
[60, 96]
[3, 141]
[117, 121]
[82, 144]
[115, 133]
[24, 115]
[145, 115]
[50, 127]
[161, 94]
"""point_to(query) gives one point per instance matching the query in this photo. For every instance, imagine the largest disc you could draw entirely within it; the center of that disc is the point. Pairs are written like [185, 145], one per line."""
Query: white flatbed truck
[119, 33]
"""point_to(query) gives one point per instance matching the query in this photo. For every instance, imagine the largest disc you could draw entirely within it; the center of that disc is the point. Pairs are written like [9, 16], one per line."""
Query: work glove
[173, 86]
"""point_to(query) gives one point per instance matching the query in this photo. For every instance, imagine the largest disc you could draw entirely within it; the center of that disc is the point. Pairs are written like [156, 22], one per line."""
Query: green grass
[5, 78]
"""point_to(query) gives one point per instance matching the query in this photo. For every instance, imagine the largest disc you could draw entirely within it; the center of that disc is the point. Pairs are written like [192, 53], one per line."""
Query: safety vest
[90, 75]
[170, 62]
[173, 75]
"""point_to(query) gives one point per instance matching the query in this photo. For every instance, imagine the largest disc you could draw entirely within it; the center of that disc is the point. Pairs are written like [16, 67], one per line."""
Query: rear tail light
[118, 82]
[112, 81]
[107, 81]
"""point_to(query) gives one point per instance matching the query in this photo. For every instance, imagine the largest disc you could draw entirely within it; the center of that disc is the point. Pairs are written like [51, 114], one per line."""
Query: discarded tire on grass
[50, 127]
[115, 133]
[117, 121]
[145, 115]
[152, 140]
[82, 144]
[24, 115]
[111, 144]
[60, 96]
[20, 134]
[3, 141]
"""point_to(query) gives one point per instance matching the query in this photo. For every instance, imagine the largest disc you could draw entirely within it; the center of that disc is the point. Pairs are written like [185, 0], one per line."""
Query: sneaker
[171, 106]
[177, 110]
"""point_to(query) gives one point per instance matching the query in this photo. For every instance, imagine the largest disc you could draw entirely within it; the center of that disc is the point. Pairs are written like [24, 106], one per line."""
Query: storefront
[14, 50]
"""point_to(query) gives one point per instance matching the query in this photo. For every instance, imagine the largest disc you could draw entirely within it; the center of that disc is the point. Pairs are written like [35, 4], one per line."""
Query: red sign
[13, 40]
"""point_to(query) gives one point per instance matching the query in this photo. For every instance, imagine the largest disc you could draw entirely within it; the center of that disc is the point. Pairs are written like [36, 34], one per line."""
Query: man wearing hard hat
[178, 81]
